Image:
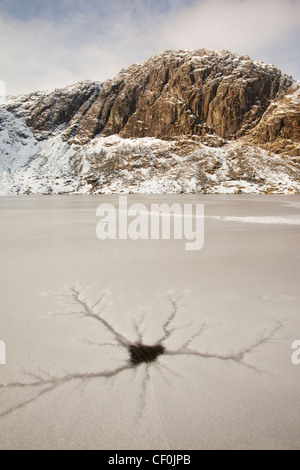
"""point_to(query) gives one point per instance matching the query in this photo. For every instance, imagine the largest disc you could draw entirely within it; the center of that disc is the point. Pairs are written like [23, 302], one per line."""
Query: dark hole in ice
[140, 353]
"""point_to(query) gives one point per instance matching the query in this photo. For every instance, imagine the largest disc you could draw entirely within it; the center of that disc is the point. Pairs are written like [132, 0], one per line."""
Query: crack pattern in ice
[139, 353]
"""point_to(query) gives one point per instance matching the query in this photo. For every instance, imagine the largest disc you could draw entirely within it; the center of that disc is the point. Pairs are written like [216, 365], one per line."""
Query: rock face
[194, 93]
[279, 129]
[182, 122]
[172, 94]
[45, 113]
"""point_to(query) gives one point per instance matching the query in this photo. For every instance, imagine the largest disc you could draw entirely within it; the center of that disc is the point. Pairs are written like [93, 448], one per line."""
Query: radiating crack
[139, 354]
[44, 385]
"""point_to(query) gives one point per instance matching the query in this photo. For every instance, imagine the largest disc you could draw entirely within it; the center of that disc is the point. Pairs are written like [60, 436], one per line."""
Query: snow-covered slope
[145, 165]
[27, 165]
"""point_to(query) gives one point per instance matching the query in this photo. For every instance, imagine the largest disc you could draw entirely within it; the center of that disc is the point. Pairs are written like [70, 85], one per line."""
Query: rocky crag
[183, 121]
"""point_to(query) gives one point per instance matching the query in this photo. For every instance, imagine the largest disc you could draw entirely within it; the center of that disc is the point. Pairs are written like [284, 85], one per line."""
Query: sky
[47, 44]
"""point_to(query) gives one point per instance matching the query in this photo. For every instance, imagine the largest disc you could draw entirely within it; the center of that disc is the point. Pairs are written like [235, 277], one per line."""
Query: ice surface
[226, 317]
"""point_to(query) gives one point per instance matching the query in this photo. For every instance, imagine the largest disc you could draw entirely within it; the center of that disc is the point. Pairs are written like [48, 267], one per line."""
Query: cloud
[54, 43]
[233, 24]
[82, 41]
[40, 55]
[266, 30]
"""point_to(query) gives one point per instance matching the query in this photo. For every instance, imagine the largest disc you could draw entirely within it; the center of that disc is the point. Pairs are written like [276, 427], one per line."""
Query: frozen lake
[71, 306]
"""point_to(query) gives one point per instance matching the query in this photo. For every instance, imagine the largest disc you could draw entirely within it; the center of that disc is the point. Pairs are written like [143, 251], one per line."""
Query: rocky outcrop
[279, 129]
[182, 122]
[183, 93]
[47, 113]
[175, 93]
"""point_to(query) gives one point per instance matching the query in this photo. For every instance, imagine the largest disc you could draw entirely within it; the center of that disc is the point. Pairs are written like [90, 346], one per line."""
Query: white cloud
[44, 53]
[37, 55]
[237, 25]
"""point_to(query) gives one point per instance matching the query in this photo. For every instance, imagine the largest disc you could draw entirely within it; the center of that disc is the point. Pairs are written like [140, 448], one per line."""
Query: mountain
[183, 121]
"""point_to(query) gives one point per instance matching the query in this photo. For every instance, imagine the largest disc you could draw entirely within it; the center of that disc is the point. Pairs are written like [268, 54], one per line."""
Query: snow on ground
[114, 165]
[17, 143]
[270, 220]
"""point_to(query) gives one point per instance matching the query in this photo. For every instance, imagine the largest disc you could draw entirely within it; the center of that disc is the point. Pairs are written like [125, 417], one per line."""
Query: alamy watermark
[2, 92]
[2, 353]
[161, 222]
[296, 354]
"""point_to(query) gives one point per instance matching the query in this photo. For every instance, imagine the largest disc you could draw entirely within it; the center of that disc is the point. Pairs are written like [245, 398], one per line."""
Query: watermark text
[2, 353]
[171, 460]
[160, 222]
[296, 354]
